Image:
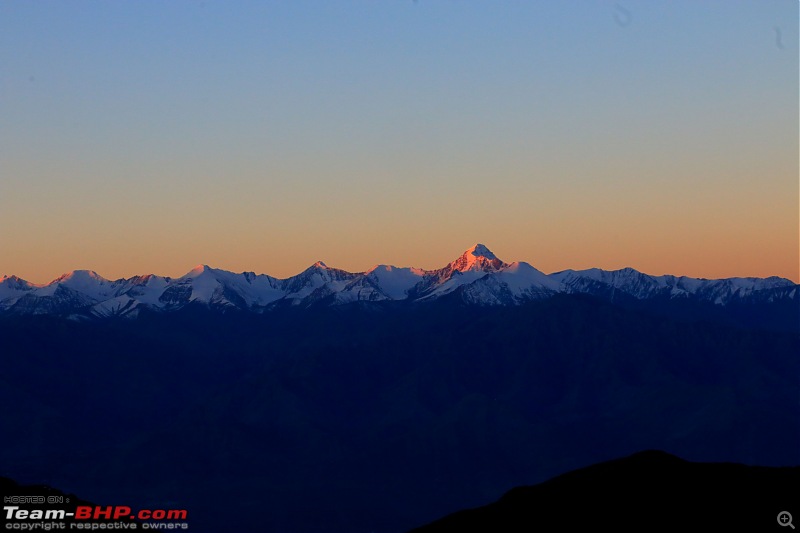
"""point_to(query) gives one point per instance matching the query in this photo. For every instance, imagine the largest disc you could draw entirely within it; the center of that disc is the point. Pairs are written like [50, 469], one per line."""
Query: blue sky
[151, 136]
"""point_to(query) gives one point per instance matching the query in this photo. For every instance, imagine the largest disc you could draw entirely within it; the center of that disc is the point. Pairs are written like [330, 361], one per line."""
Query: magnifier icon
[785, 519]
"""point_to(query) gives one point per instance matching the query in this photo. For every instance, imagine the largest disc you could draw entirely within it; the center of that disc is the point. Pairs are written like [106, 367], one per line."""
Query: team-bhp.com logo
[87, 517]
[85, 512]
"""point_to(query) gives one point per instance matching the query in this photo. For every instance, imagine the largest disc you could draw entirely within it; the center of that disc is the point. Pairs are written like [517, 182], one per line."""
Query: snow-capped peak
[87, 283]
[197, 271]
[480, 250]
[320, 264]
[13, 285]
[80, 276]
[479, 257]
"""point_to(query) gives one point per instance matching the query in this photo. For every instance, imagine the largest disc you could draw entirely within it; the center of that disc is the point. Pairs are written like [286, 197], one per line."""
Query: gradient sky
[148, 137]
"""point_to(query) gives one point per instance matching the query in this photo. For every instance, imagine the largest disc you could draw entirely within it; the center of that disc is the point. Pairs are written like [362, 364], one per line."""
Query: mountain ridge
[651, 487]
[477, 276]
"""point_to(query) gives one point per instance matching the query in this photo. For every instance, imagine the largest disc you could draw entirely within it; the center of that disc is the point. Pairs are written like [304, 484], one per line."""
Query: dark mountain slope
[377, 417]
[648, 491]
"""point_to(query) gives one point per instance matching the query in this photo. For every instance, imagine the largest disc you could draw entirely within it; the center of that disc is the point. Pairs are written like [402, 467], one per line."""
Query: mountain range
[378, 401]
[476, 277]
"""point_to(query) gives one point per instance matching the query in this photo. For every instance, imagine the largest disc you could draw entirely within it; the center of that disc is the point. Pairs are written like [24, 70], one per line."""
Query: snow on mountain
[479, 257]
[212, 286]
[131, 294]
[722, 291]
[634, 283]
[472, 265]
[12, 287]
[381, 283]
[524, 280]
[511, 284]
[395, 282]
[360, 289]
[74, 290]
[626, 280]
[316, 282]
[89, 283]
[477, 276]
[50, 299]
[437, 285]
[145, 289]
